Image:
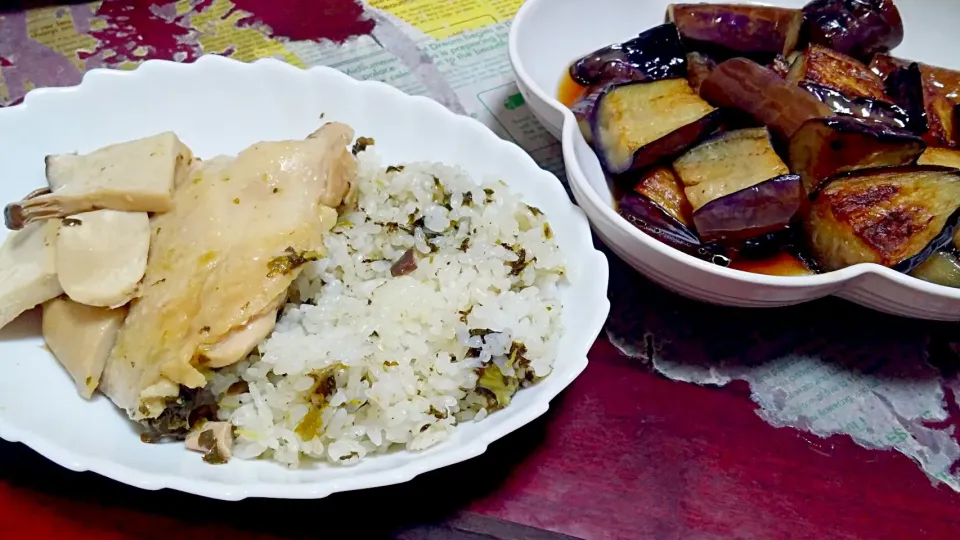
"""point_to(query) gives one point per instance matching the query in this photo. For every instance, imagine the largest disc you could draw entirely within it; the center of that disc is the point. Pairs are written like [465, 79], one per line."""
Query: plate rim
[834, 280]
[440, 455]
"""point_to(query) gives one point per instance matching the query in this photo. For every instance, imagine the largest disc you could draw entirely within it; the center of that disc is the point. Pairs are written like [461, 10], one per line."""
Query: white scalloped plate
[219, 106]
[540, 56]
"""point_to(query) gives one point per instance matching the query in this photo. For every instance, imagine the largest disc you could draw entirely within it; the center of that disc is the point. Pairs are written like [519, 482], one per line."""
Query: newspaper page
[826, 368]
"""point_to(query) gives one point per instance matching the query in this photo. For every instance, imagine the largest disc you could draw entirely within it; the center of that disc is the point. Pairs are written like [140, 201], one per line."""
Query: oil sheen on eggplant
[845, 74]
[655, 54]
[873, 110]
[895, 217]
[859, 28]
[738, 28]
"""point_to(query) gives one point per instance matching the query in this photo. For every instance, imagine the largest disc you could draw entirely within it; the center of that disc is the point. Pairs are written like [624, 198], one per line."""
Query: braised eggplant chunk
[895, 217]
[741, 28]
[823, 147]
[825, 67]
[945, 157]
[942, 268]
[751, 212]
[904, 84]
[859, 28]
[654, 220]
[880, 112]
[662, 187]
[931, 91]
[728, 163]
[636, 125]
[582, 108]
[655, 54]
[941, 95]
[884, 64]
[746, 86]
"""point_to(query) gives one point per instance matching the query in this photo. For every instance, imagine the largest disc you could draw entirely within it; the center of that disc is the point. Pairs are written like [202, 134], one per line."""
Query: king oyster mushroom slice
[28, 273]
[102, 256]
[134, 176]
[214, 439]
[81, 338]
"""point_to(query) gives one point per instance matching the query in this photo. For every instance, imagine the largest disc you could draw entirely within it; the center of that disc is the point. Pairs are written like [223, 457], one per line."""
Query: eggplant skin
[654, 55]
[824, 147]
[895, 217]
[740, 28]
[880, 112]
[744, 85]
[751, 212]
[638, 124]
[825, 67]
[859, 28]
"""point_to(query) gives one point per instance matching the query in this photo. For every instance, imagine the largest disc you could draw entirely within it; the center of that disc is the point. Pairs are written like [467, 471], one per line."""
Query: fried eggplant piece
[880, 112]
[728, 163]
[638, 124]
[824, 147]
[752, 211]
[847, 75]
[654, 55]
[662, 187]
[740, 28]
[930, 92]
[859, 28]
[758, 91]
[896, 217]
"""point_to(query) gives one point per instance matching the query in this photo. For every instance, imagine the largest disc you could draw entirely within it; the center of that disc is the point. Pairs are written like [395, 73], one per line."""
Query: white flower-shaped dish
[547, 35]
[220, 106]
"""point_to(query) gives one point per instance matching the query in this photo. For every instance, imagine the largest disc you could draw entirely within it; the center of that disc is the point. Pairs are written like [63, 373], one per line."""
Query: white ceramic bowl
[547, 35]
[220, 106]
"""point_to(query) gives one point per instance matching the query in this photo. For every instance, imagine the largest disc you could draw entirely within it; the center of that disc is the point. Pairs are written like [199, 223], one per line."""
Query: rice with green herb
[435, 302]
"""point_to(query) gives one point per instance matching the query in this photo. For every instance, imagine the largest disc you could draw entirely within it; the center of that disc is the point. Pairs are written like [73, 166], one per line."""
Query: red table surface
[623, 453]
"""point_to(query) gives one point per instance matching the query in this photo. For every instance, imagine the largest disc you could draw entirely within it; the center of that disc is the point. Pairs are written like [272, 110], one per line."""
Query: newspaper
[825, 368]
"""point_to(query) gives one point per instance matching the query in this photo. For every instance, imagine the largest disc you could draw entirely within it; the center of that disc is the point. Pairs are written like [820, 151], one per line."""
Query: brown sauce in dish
[569, 91]
[781, 264]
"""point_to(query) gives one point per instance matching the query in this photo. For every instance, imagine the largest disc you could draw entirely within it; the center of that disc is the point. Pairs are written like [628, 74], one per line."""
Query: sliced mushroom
[214, 439]
[81, 338]
[28, 272]
[135, 176]
[102, 255]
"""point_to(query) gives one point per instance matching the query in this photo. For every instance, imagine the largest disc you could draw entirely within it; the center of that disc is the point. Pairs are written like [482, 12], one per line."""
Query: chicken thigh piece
[221, 262]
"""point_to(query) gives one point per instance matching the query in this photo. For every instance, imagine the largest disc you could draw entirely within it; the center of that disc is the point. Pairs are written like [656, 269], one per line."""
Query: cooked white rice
[371, 362]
